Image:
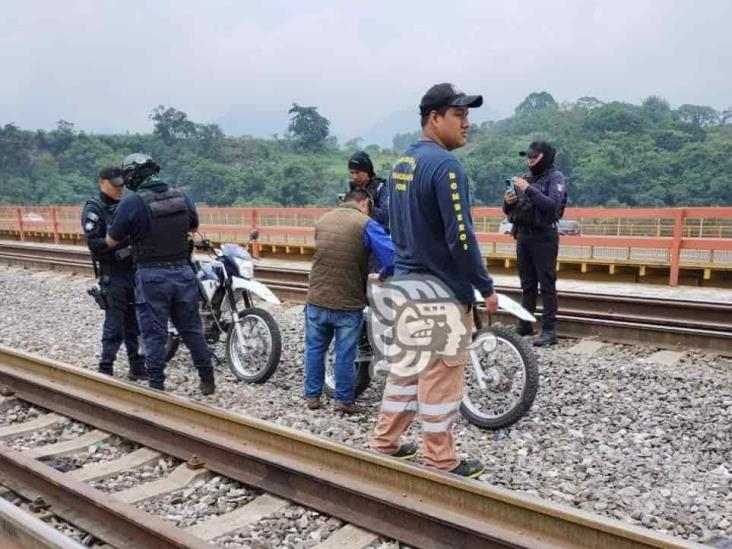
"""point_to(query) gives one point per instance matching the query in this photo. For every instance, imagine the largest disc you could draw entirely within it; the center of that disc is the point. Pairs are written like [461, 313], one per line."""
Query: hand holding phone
[510, 195]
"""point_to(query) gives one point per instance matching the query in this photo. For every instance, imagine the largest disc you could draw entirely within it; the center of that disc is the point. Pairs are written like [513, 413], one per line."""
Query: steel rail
[19, 528]
[419, 507]
[93, 511]
[669, 323]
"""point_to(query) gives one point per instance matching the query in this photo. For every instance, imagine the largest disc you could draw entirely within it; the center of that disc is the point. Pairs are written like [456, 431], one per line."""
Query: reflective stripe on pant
[436, 396]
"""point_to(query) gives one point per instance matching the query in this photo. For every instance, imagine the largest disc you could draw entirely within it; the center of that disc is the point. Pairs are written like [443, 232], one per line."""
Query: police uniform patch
[92, 216]
[89, 226]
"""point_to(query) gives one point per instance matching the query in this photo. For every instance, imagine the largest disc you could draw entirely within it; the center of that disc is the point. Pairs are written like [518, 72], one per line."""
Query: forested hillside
[614, 154]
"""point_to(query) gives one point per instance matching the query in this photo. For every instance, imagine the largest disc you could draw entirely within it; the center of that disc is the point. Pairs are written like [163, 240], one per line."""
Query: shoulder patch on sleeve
[92, 216]
[89, 226]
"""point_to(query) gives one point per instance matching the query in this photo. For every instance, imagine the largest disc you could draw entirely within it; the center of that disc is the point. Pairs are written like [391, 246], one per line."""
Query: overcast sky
[105, 64]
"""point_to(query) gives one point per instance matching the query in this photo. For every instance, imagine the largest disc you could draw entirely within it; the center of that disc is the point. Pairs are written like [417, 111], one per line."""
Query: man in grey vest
[344, 237]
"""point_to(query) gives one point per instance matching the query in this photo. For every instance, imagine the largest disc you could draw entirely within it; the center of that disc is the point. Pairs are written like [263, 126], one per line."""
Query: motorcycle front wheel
[502, 378]
[254, 359]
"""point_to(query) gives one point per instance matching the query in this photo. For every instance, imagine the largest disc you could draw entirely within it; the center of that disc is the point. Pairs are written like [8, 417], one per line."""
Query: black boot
[207, 385]
[524, 328]
[137, 371]
[547, 337]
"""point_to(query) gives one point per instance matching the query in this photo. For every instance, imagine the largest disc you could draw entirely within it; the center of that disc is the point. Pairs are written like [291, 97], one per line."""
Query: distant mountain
[254, 121]
[407, 120]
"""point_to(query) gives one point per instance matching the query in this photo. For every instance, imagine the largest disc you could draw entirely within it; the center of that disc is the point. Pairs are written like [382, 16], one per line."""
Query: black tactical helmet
[137, 168]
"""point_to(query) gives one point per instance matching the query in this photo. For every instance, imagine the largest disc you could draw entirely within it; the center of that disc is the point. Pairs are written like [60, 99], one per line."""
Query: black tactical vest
[167, 240]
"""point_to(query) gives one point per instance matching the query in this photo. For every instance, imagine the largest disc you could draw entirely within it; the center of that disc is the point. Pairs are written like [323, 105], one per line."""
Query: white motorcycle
[227, 286]
[502, 376]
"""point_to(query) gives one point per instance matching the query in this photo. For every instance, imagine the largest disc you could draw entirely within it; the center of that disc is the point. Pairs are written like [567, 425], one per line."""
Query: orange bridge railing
[691, 238]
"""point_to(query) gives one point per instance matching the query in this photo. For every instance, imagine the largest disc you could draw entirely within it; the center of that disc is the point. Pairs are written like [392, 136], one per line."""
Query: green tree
[697, 115]
[308, 127]
[171, 124]
[536, 102]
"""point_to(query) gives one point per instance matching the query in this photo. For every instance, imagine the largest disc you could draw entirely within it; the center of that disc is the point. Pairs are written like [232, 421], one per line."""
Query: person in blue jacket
[345, 237]
[157, 219]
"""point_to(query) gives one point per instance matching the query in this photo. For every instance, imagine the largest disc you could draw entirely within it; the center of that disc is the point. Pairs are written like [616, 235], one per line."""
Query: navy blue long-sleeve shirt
[431, 223]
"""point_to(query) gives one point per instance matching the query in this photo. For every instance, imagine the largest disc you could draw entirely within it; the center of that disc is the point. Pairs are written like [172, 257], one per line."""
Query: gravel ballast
[613, 434]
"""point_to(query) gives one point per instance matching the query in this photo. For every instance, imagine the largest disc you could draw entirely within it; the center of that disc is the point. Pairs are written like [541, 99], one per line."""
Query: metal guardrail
[673, 238]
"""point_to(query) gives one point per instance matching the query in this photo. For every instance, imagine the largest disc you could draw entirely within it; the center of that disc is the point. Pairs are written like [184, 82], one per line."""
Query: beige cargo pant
[435, 395]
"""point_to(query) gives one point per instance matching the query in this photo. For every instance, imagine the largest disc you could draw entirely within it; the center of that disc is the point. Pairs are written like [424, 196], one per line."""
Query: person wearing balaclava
[534, 204]
[362, 176]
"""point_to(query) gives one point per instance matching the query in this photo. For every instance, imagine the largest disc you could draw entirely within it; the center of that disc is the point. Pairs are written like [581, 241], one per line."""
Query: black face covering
[546, 162]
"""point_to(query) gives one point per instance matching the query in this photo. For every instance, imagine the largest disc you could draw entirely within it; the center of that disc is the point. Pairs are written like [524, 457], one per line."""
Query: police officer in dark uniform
[157, 219]
[534, 205]
[362, 176]
[115, 270]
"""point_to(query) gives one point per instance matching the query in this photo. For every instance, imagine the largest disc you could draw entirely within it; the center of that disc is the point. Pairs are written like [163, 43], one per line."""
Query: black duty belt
[162, 264]
[115, 269]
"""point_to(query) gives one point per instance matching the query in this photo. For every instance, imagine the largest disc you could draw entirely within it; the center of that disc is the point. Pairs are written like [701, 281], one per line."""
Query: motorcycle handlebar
[203, 245]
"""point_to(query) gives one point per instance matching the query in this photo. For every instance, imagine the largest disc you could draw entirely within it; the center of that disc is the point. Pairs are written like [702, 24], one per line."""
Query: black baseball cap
[113, 174]
[447, 95]
[536, 147]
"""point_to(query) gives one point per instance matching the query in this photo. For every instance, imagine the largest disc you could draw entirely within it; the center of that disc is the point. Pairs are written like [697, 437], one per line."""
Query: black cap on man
[444, 95]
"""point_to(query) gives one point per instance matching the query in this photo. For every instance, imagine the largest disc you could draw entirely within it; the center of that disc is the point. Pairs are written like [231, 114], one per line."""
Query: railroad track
[391, 498]
[668, 323]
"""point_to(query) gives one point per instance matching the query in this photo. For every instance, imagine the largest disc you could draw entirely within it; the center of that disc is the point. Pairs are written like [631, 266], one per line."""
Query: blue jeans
[321, 325]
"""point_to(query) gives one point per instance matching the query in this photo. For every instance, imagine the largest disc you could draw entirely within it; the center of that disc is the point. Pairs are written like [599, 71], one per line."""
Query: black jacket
[96, 216]
[540, 205]
[376, 189]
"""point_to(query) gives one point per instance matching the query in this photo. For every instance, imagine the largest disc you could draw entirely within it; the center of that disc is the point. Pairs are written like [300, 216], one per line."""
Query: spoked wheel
[255, 357]
[361, 375]
[502, 378]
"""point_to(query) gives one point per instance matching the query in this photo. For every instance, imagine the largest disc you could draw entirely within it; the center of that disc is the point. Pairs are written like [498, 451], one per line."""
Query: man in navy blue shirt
[432, 229]
[116, 273]
[344, 238]
[157, 219]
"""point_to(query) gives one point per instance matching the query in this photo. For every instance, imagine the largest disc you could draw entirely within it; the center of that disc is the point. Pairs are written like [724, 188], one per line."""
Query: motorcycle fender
[256, 288]
[507, 304]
